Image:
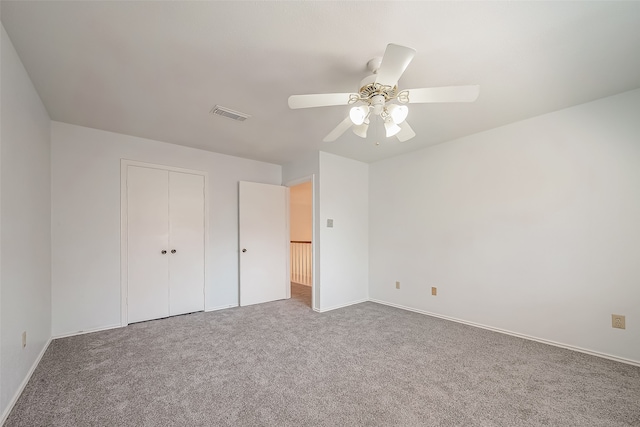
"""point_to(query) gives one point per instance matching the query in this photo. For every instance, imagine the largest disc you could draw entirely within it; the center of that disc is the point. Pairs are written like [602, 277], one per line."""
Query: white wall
[532, 228]
[86, 220]
[25, 239]
[304, 167]
[343, 195]
[340, 253]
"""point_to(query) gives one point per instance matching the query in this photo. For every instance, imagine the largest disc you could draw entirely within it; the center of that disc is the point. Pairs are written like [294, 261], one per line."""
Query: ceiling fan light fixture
[398, 113]
[358, 114]
[361, 130]
[379, 97]
[391, 127]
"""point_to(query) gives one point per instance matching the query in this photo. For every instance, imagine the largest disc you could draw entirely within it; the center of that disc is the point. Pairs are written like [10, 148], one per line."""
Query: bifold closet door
[165, 249]
[148, 236]
[186, 243]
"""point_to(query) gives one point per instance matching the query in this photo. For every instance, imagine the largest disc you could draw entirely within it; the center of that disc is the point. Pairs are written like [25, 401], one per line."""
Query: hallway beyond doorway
[301, 293]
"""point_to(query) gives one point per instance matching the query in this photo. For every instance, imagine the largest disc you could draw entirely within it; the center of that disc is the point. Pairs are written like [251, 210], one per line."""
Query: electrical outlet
[617, 321]
[24, 339]
[434, 291]
[397, 285]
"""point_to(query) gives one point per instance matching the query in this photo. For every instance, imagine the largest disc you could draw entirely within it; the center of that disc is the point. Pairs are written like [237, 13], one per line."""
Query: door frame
[124, 229]
[315, 283]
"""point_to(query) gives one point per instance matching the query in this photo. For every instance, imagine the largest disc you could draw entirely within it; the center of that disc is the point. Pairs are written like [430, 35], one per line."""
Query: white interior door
[165, 246]
[264, 243]
[148, 236]
[186, 243]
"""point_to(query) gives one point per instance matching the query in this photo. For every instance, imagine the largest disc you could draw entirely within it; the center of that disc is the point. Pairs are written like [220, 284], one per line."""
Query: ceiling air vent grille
[229, 113]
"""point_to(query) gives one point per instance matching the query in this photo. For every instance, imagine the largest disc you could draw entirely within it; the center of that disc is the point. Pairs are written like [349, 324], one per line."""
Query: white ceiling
[155, 69]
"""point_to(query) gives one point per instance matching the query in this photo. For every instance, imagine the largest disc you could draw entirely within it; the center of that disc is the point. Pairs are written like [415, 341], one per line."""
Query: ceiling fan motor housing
[369, 89]
[375, 95]
[367, 81]
[377, 104]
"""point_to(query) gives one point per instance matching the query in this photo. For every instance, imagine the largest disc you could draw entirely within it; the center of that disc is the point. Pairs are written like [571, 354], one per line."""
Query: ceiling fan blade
[395, 60]
[339, 130]
[406, 133]
[318, 100]
[444, 94]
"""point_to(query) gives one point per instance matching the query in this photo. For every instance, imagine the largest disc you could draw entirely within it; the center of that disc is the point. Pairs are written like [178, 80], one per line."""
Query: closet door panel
[148, 268]
[186, 238]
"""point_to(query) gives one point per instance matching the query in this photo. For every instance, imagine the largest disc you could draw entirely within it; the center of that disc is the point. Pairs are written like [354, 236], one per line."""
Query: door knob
[173, 251]
[163, 252]
[244, 250]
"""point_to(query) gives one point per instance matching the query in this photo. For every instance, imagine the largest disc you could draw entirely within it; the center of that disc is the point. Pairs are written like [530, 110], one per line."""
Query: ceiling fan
[377, 95]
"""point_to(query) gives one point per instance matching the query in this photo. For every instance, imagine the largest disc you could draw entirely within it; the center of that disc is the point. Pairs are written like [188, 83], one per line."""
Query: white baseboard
[335, 307]
[20, 389]
[515, 334]
[221, 307]
[88, 331]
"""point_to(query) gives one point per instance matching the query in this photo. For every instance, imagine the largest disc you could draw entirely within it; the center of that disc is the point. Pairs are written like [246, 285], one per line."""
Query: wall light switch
[434, 291]
[329, 223]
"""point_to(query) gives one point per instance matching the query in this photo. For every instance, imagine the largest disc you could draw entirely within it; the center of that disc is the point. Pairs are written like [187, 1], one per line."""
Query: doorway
[301, 241]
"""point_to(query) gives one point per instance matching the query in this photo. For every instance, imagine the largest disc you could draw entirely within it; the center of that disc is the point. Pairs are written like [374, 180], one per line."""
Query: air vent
[228, 113]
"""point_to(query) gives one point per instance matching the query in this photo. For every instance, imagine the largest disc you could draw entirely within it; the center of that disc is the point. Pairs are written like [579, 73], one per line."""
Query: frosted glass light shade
[391, 127]
[398, 113]
[361, 130]
[358, 114]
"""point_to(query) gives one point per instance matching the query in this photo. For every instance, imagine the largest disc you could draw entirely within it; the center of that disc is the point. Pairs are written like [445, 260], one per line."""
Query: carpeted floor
[301, 293]
[281, 364]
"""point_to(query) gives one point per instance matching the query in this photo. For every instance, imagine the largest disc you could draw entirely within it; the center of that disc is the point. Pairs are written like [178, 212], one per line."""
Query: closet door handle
[163, 252]
[173, 251]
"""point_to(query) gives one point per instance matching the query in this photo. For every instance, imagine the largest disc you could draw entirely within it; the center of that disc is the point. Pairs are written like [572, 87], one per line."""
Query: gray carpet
[281, 364]
[302, 293]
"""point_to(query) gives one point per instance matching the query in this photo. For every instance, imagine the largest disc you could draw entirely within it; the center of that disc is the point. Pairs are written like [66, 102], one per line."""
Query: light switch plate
[329, 223]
